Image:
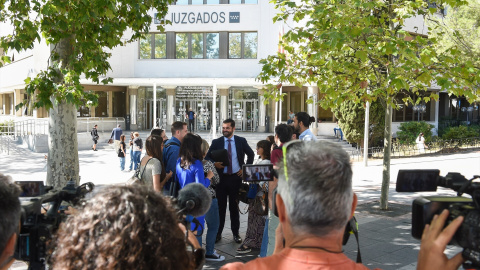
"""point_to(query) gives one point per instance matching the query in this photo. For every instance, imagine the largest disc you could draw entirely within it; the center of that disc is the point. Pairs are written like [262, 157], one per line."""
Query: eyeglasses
[284, 151]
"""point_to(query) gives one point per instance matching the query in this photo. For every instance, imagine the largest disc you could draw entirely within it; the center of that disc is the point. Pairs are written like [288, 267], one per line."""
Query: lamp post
[419, 108]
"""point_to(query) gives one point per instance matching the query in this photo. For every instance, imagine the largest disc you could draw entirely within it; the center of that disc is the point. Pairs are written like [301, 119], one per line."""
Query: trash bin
[127, 122]
[267, 124]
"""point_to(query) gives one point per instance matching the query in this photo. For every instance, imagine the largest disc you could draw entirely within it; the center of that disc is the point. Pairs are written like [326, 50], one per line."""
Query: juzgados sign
[201, 17]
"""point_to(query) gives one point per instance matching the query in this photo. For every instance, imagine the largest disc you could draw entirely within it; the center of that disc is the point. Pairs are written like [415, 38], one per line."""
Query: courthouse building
[207, 60]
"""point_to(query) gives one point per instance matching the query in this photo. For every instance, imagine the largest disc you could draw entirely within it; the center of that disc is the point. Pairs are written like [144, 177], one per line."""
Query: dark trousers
[191, 125]
[228, 187]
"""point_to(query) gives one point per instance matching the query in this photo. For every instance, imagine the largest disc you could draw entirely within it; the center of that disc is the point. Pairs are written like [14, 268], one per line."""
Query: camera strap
[354, 229]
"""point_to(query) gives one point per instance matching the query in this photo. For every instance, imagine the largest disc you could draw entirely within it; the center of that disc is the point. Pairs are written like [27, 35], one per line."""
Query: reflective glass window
[213, 2]
[181, 46]
[197, 2]
[234, 45]
[197, 45]
[212, 45]
[250, 1]
[250, 49]
[182, 2]
[235, 1]
[145, 47]
[160, 45]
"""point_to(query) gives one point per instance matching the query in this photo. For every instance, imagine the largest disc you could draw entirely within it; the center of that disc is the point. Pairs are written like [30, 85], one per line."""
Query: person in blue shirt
[301, 123]
[191, 120]
[189, 169]
[171, 150]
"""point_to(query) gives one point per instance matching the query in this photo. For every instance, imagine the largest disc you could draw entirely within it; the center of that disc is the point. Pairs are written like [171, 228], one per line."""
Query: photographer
[124, 227]
[9, 220]
[315, 201]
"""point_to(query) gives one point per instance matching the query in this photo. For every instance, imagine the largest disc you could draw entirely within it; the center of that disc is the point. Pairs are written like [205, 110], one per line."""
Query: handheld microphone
[194, 199]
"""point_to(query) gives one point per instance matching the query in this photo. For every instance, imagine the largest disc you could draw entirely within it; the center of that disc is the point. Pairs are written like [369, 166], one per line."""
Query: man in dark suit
[230, 176]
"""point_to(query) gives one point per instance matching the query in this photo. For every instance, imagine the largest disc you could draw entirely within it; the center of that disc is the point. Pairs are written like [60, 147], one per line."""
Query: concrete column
[435, 115]
[170, 91]
[154, 105]
[110, 103]
[312, 92]
[213, 118]
[132, 92]
[18, 97]
[2, 105]
[223, 104]
[261, 111]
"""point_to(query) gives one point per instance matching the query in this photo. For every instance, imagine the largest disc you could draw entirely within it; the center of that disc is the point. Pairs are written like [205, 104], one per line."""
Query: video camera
[424, 208]
[37, 227]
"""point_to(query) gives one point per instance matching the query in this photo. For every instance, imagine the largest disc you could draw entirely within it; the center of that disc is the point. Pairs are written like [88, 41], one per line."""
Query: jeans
[136, 158]
[122, 163]
[340, 132]
[263, 248]
[131, 158]
[213, 222]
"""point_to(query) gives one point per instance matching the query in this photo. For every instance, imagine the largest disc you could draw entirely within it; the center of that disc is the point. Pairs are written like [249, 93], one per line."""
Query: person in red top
[315, 201]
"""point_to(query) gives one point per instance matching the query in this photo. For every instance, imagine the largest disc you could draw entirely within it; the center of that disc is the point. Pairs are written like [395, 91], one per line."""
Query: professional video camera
[424, 208]
[37, 228]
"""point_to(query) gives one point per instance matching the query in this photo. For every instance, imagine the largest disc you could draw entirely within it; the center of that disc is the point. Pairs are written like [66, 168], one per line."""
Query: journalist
[315, 201]
[9, 220]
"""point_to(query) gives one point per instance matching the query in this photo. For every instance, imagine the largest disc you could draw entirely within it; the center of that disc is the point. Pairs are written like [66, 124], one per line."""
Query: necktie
[229, 168]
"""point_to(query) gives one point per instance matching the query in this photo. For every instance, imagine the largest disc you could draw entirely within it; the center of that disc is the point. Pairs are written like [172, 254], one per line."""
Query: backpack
[174, 185]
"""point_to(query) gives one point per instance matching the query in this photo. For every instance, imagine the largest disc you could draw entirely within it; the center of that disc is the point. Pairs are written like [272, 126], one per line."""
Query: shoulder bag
[137, 177]
[260, 203]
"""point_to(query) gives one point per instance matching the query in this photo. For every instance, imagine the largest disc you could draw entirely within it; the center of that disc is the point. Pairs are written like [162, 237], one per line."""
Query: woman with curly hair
[256, 223]
[122, 227]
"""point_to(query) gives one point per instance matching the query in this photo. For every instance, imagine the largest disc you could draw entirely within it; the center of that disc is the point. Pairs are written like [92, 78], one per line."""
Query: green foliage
[357, 50]
[82, 34]
[409, 131]
[6, 126]
[461, 28]
[351, 118]
[461, 132]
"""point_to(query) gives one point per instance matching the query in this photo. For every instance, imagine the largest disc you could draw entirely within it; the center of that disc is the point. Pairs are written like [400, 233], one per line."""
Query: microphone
[194, 199]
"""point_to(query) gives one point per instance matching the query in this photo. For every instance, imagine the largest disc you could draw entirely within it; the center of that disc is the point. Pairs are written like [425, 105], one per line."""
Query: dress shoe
[237, 239]
[219, 237]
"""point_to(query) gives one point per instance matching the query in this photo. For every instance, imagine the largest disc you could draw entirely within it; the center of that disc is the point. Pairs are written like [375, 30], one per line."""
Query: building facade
[207, 60]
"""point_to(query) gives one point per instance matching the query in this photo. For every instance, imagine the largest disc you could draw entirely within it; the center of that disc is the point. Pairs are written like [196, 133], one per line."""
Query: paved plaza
[385, 238]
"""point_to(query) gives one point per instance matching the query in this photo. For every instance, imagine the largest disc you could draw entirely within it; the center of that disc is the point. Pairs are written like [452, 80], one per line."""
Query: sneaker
[215, 257]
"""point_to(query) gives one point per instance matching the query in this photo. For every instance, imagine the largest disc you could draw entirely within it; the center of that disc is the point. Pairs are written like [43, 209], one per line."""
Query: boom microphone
[194, 199]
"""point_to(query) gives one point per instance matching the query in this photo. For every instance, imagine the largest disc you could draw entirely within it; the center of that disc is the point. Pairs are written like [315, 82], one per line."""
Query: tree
[359, 50]
[461, 28]
[80, 34]
[351, 117]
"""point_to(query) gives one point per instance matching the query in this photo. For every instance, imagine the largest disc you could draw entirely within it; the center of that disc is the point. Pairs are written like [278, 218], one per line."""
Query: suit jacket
[241, 146]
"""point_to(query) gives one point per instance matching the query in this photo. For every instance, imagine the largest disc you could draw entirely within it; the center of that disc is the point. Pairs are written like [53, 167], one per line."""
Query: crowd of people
[126, 227]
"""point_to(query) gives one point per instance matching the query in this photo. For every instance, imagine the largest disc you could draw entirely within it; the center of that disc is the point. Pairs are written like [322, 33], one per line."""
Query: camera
[37, 227]
[424, 208]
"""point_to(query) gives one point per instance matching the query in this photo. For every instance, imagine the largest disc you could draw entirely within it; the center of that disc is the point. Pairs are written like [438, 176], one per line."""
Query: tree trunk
[62, 129]
[62, 145]
[387, 146]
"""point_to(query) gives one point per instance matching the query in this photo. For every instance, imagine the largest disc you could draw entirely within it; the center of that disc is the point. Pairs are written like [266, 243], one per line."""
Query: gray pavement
[385, 238]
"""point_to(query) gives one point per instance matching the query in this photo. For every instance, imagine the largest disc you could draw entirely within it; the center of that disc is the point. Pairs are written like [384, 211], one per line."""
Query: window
[242, 45]
[145, 47]
[159, 42]
[213, 45]
[197, 46]
[160, 46]
[243, 2]
[181, 46]
[235, 45]
[214, 2]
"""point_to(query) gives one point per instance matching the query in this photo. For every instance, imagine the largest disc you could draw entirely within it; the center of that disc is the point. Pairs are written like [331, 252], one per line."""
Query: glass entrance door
[245, 114]
[161, 113]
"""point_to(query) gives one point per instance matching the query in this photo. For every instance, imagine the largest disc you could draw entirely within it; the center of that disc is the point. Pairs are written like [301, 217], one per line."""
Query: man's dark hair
[176, 126]
[9, 210]
[231, 121]
[284, 132]
[156, 132]
[305, 118]
[293, 131]
[190, 150]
